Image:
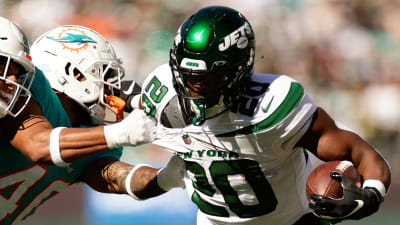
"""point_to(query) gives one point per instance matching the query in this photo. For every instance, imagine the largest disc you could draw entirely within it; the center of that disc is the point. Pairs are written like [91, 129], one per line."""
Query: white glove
[171, 176]
[136, 129]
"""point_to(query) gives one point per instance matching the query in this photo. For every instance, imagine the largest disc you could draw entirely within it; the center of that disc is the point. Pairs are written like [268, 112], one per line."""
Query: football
[320, 182]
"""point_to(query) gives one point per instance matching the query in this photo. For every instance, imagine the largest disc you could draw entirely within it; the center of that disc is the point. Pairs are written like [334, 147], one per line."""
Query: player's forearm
[373, 167]
[46, 145]
[77, 143]
[73, 144]
[109, 175]
[370, 164]
[142, 183]
[33, 139]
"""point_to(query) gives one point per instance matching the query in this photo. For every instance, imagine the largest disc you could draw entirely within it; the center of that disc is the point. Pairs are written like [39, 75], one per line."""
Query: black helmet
[213, 50]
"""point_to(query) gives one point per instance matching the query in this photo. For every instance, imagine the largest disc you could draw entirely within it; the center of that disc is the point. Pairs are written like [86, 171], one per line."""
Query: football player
[242, 134]
[37, 161]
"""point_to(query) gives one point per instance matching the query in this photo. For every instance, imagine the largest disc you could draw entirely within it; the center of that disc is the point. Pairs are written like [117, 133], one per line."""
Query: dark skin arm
[328, 142]
[108, 175]
[30, 133]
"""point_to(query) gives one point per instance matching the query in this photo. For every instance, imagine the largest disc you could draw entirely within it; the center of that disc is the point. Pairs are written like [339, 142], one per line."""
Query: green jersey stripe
[296, 93]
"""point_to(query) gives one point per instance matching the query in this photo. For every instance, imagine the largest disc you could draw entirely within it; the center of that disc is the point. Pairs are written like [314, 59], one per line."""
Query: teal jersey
[25, 185]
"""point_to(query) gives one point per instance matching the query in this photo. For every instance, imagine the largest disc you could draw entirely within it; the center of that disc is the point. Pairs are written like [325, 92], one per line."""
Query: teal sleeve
[49, 102]
[115, 152]
[82, 164]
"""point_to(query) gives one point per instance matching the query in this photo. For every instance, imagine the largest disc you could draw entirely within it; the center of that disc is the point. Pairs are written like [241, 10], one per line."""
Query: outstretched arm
[109, 175]
[35, 137]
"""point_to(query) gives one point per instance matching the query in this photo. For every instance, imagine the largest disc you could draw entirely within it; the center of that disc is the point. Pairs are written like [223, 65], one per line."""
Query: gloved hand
[171, 176]
[135, 129]
[130, 92]
[355, 204]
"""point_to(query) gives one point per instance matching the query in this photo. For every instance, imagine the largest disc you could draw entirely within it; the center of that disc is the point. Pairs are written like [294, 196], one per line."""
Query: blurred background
[345, 52]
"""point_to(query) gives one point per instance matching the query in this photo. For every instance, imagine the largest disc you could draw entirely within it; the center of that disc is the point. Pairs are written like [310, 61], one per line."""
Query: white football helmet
[80, 63]
[14, 53]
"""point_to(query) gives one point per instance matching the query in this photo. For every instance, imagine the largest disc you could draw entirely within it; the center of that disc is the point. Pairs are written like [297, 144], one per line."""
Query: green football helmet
[212, 52]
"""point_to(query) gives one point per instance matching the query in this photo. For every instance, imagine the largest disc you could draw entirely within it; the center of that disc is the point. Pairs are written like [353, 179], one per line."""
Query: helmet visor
[201, 84]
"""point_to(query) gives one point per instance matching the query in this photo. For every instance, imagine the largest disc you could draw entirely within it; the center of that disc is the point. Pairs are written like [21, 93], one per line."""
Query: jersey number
[18, 185]
[157, 93]
[248, 102]
[220, 172]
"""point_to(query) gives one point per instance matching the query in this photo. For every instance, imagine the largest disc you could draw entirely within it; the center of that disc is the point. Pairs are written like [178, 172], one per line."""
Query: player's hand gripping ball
[335, 193]
[320, 181]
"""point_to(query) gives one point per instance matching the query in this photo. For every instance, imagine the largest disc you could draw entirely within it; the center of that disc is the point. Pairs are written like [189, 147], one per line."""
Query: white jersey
[242, 166]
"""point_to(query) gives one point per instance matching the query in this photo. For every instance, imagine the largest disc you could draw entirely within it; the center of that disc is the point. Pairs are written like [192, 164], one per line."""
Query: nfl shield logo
[186, 139]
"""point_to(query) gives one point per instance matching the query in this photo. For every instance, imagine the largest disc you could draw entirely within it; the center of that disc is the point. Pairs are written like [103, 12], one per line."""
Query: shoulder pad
[157, 91]
[283, 95]
[268, 96]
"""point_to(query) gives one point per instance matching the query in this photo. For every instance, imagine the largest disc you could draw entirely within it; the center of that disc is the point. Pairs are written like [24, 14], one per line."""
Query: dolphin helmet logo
[73, 39]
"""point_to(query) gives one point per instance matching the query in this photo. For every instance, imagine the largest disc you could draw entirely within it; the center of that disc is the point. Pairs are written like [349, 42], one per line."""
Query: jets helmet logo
[237, 37]
[73, 39]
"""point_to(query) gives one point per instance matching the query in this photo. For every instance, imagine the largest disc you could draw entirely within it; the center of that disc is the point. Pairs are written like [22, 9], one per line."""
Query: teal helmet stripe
[25, 41]
[293, 98]
[73, 38]
[26, 44]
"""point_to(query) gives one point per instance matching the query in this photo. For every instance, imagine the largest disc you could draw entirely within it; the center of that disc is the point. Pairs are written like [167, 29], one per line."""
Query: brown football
[320, 182]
